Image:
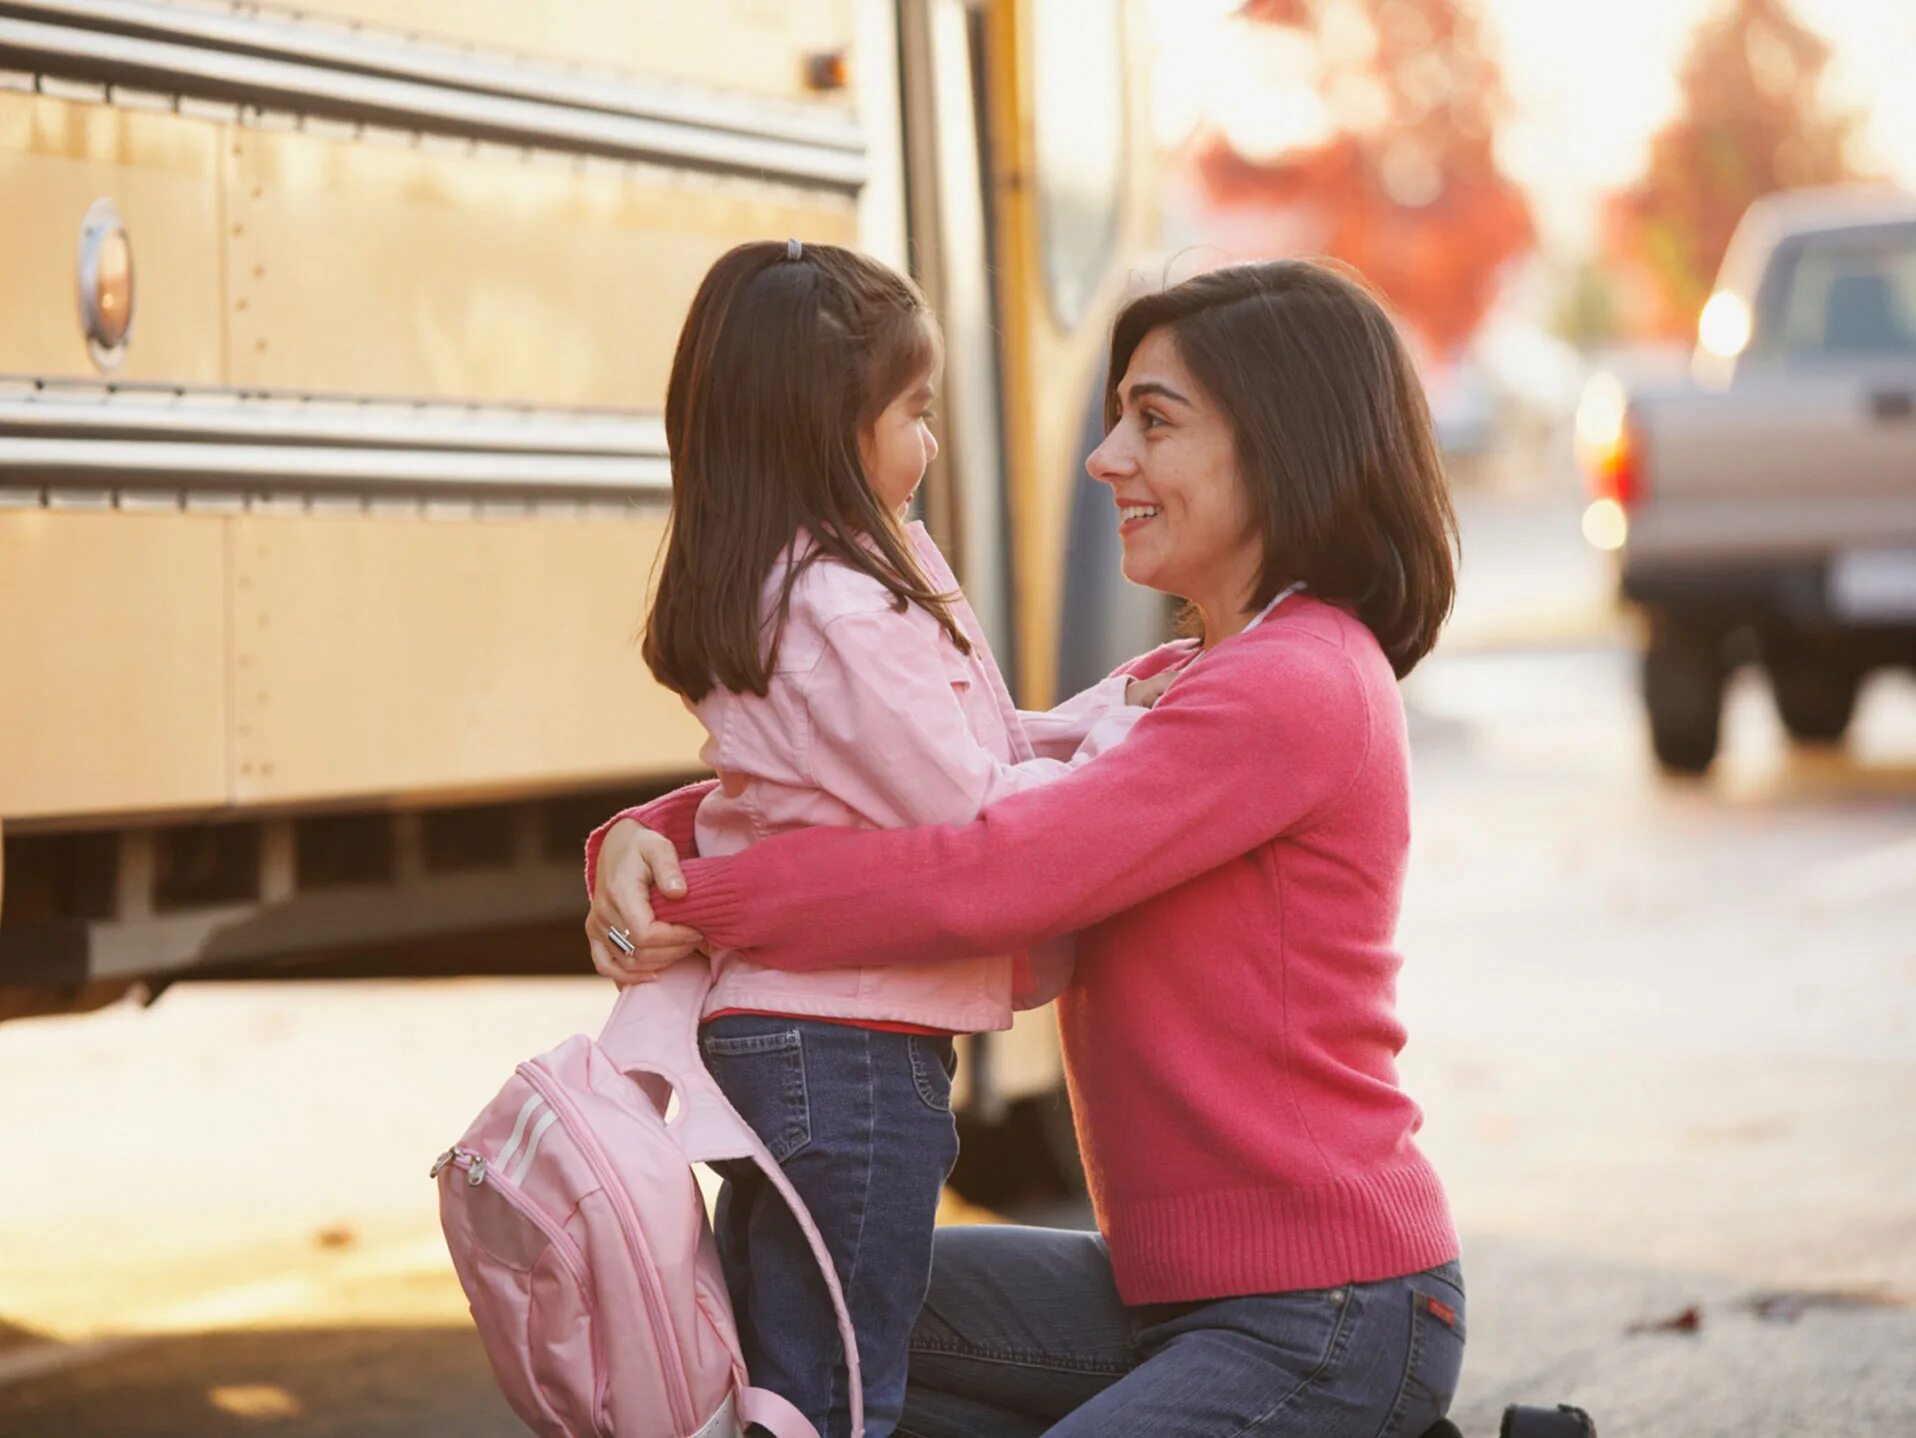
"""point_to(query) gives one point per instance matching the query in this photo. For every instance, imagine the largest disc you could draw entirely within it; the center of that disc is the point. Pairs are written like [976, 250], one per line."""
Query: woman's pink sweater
[1234, 871]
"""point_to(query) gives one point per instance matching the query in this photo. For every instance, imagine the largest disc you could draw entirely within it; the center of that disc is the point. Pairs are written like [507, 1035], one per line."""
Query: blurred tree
[1584, 308]
[1394, 170]
[1750, 122]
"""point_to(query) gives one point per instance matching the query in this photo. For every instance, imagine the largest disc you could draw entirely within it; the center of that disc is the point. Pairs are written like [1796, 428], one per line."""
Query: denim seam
[850, 1286]
[1418, 1309]
[1332, 1352]
[1020, 1358]
[921, 1080]
[796, 1084]
[1438, 1275]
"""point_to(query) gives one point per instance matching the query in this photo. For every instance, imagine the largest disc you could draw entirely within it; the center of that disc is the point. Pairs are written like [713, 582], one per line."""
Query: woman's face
[1183, 515]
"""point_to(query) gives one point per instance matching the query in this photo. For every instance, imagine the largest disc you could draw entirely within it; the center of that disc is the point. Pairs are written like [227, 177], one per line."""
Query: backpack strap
[652, 1035]
[764, 1408]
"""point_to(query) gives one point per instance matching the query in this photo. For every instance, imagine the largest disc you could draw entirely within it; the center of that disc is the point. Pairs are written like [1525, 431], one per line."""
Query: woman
[1274, 1254]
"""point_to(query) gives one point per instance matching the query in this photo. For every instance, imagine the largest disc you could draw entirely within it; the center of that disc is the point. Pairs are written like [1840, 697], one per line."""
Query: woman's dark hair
[787, 353]
[1332, 434]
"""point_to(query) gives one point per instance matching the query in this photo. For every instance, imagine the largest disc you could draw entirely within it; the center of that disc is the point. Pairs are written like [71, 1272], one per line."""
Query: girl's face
[1171, 462]
[899, 446]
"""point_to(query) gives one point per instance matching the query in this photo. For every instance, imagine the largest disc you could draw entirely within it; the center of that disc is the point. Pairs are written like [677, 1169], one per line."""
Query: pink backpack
[579, 1234]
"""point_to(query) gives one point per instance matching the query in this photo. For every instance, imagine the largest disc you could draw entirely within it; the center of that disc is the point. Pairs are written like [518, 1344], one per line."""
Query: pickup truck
[1764, 510]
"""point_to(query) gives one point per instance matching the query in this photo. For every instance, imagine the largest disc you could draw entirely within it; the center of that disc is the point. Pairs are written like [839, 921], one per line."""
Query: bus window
[1079, 123]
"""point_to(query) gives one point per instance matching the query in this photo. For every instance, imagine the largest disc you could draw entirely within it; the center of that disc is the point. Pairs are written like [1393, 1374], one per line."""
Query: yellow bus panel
[56, 158]
[377, 268]
[758, 46]
[112, 662]
[401, 656]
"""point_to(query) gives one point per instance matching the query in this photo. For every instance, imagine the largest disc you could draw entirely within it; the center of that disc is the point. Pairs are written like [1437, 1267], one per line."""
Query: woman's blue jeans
[1023, 1333]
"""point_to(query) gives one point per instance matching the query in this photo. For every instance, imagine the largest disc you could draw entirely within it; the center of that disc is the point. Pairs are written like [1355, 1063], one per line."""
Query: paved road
[1665, 1036]
[1666, 1039]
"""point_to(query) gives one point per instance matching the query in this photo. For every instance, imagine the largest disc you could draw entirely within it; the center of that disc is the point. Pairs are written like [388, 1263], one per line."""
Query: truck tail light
[1616, 471]
[1610, 453]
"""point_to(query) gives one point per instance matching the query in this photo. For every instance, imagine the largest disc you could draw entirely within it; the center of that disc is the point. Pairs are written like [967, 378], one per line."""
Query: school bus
[333, 343]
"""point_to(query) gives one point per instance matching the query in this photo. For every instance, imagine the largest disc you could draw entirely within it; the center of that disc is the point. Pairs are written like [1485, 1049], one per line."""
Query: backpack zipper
[476, 1171]
[649, 1286]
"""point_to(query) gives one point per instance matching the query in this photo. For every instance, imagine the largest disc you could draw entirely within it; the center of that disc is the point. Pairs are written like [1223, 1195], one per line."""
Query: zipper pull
[476, 1175]
[439, 1164]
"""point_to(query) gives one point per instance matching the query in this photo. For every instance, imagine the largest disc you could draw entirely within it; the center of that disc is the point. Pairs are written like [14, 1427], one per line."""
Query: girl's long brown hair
[782, 362]
[1332, 433]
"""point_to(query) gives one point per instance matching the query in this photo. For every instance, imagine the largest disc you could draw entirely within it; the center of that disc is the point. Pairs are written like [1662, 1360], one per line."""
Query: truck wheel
[1815, 699]
[1683, 675]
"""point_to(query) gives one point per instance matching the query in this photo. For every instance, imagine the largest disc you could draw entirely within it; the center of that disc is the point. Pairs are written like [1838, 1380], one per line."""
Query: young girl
[842, 680]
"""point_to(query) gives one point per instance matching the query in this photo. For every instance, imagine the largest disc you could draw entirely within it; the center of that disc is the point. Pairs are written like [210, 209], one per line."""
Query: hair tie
[794, 249]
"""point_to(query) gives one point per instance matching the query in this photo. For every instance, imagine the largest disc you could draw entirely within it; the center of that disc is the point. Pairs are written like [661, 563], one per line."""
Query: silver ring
[620, 941]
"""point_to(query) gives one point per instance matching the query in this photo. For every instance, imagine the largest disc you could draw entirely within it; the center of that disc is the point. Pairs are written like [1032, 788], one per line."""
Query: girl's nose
[931, 446]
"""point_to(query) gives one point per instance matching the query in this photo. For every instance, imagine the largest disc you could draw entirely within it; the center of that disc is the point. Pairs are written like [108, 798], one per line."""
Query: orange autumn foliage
[1410, 193]
[1750, 122]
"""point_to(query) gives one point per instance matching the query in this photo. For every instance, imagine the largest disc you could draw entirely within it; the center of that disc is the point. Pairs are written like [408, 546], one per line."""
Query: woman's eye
[1148, 419]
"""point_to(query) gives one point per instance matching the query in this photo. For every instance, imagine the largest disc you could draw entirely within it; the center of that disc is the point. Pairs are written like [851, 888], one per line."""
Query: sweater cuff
[714, 903]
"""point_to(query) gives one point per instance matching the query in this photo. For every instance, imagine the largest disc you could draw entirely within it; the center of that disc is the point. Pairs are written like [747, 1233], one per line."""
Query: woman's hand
[632, 862]
[1145, 692]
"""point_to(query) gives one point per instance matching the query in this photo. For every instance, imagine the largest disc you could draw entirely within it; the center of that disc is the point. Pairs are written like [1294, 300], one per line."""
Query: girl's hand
[1146, 692]
[632, 862]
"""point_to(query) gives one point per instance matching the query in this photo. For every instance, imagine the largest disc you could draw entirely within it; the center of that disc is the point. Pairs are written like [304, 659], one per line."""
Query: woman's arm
[1250, 743]
[884, 733]
[1064, 729]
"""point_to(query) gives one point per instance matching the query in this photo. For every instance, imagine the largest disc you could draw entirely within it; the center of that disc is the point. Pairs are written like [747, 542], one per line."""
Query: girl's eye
[1150, 419]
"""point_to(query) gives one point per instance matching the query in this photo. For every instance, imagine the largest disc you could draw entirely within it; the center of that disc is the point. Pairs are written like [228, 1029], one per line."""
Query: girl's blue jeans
[860, 1121]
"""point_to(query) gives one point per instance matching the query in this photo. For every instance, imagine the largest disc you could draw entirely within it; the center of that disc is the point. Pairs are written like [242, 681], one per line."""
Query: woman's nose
[1110, 461]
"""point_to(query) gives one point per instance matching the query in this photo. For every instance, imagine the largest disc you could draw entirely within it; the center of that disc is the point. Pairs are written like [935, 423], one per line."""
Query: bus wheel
[1028, 1156]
